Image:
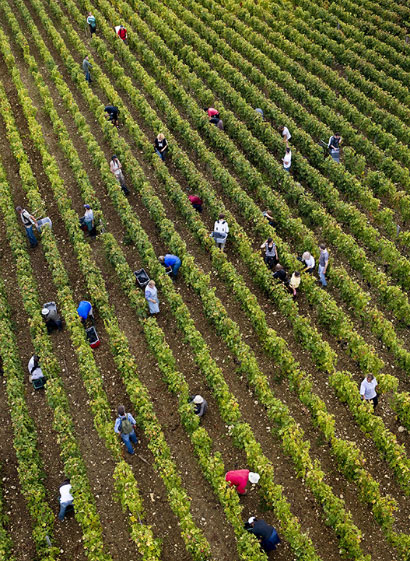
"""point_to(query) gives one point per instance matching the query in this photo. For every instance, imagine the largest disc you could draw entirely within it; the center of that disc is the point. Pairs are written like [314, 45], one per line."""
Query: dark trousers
[270, 261]
[92, 29]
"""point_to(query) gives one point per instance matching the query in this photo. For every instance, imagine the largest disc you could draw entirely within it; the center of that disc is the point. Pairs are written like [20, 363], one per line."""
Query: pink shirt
[195, 200]
[239, 478]
[212, 112]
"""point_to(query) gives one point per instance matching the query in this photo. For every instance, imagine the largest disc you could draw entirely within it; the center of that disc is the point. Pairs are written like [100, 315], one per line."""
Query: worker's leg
[176, 267]
[31, 237]
[322, 275]
[159, 154]
[63, 508]
[126, 440]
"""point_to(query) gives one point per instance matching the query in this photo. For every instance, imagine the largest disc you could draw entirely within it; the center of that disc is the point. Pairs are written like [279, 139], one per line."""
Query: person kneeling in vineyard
[112, 114]
[66, 499]
[266, 534]
[200, 405]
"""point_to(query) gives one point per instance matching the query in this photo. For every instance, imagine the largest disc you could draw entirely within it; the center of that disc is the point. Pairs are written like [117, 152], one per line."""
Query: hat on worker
[253, 477]
[87, 206]
[45, 312]
[198, 399]
[251, 519]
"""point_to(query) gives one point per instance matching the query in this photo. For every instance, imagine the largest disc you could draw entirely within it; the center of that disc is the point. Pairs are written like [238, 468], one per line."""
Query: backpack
[126, 425]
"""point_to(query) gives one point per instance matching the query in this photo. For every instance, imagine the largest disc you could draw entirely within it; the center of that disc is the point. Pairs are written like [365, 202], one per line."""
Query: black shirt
[281, 275]
[261, 530]
[111, 110]
[160, 144]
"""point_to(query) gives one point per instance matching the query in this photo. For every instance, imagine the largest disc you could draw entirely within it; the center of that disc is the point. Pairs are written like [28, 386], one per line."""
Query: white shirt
[221, 226]
[65, 494]
[37, 373]
[310, 263]
[89, 215]
[286, 134]
[287, 160]
[368, 388]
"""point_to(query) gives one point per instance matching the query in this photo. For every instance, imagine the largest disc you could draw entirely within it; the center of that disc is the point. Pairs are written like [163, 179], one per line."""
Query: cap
[45, 312]
[253, 477]
[87, 206]
[198, 399]
[251, 519]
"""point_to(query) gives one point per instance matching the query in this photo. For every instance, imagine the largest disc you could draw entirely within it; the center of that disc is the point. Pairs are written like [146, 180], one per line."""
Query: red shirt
[212, 112]
[239, 478]
[195, 200]
[122, 33]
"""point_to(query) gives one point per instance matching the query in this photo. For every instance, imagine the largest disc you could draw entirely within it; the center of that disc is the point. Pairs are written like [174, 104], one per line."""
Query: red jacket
[239, 478]
[195, 200]
[122, 33]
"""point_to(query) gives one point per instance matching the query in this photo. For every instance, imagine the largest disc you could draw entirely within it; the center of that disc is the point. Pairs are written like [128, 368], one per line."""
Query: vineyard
[281, 374]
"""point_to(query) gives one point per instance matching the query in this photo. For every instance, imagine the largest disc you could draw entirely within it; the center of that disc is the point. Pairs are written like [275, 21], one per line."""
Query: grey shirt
[86, 65]
[324, 258]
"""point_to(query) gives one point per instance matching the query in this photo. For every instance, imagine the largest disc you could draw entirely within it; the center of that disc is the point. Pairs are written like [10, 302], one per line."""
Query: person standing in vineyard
[28, 221]
[284, 131]
[220, 233]
[161, 146]
[125, 426]
[92, 24]
[151, 296]
[86, 67]
[271, 253]
[122, 33]
[323, 263]
[368, 390]
[309, 261]
[334, 146]
[287, 159]
[66, 498]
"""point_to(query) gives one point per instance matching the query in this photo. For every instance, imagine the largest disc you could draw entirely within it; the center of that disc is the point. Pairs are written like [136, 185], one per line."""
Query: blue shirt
[118, 422]
[84, 309]
[170, 260]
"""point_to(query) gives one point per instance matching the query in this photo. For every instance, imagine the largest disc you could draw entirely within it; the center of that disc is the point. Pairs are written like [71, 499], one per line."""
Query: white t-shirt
[221, 226]
[310, 263]
[287, 160]
[65, 494]
[368, 388]
[286, 134]
[37, 373]
[89, 215]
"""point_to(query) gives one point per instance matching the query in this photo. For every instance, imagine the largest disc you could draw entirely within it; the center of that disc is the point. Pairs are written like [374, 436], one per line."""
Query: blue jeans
[31, 237]
[63, 508]
[160, 154]
[286, 169]
[271, 543]
[175, 268]
[322, 275]
[126, 438]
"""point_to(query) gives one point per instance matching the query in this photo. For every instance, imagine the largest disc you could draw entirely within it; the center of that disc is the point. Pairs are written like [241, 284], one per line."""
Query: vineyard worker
[268, 215]
[85, 311]
[279, 273]
[151, 296]
[323, 263]
[196, 202]
[334, 146]
[125, 425]
[171, 263]
[122, 33]
[116, 169]
[287, 160]
[259, 110]
[92, 24]
[161, 146]
[284, 131]
[239, 478]
[212, 112]
[28, 221]
[51, 317]
[221, 231]
[88, 218]
[200, 405]
[266, 534]
[309, 261]
[86, 67]
[294, 283]
[368, 390]
[112, 114]
[66, 498]
[271, 253]
[36, 376]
